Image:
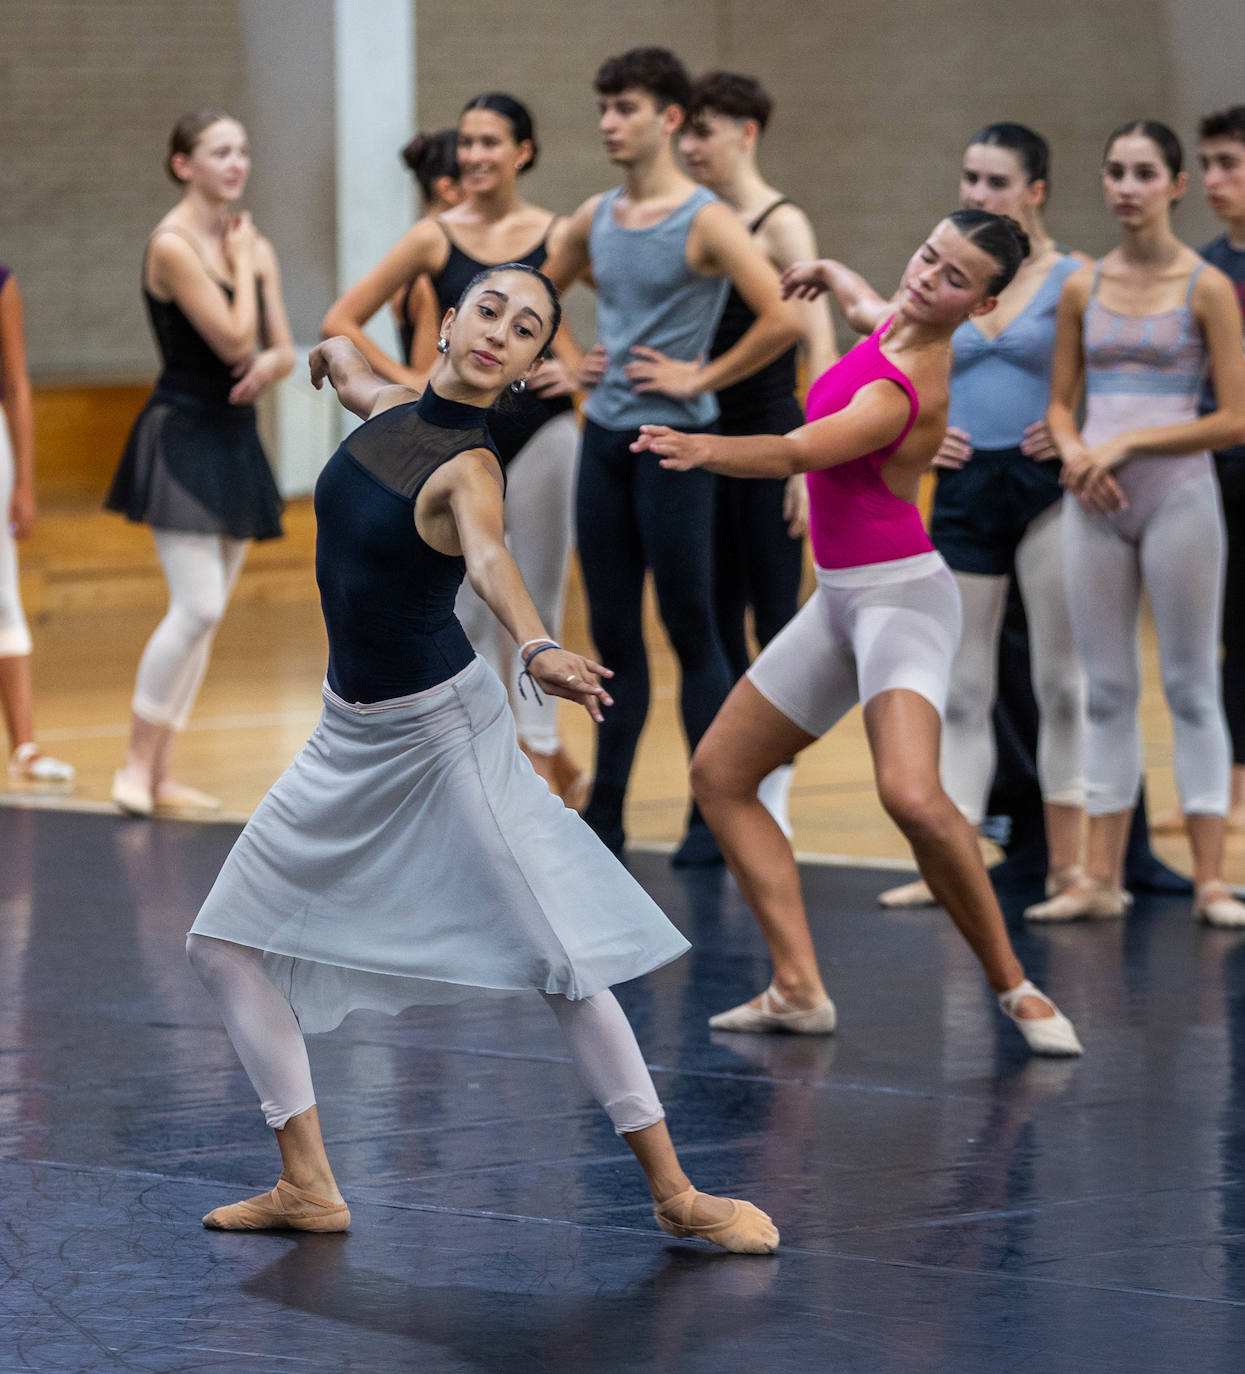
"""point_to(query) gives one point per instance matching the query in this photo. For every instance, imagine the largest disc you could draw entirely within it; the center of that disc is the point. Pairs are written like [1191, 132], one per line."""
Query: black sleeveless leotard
[194, 462]
[513, 419]
[387, 596]
[765, 402]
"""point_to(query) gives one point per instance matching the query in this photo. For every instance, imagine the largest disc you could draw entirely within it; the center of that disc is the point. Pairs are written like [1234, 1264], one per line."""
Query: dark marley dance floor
[946, 1203]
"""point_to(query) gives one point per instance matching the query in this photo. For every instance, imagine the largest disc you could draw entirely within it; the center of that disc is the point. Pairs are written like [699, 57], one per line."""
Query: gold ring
[572, 677]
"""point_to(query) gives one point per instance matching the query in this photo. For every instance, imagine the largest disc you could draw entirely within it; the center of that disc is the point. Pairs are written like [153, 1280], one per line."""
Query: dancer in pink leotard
[881, 628]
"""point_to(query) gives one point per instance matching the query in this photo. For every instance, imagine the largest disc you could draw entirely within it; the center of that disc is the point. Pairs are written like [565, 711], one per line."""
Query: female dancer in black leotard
[535, 432]
[409, 855]
[194, 469]
[433, 158]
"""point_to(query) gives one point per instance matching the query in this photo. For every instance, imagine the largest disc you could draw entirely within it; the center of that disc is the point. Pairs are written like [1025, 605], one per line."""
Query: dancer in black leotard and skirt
[194, 468]
[409, 854]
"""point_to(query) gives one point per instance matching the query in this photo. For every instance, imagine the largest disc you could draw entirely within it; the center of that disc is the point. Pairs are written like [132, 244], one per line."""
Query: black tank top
[387, 596]
[512, 420]
[776, 380]
[189, 367]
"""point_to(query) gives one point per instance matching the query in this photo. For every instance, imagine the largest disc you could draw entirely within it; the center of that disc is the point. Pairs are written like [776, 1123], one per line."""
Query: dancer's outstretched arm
[358, 388]
[875, 417]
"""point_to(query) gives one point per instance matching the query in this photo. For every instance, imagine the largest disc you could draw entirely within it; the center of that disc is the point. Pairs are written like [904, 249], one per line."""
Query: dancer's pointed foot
[729, 1222]
[285, 1208]
[772, 1013]
[1046, 1029]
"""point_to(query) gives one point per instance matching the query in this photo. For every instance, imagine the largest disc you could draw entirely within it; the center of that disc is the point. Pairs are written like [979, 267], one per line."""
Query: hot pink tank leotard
[854, 517]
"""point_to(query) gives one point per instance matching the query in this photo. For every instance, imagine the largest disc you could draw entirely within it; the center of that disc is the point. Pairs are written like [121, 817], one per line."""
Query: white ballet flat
[1216, 906]
[1048, 1035]
[30, 764]
[776, 1014]
[1085, 900]
[132, 797]
[908, 897]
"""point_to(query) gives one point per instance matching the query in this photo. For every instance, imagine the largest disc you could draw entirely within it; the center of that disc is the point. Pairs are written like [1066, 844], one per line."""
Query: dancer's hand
[1087, 474]
[1039, 443]
[254, 378]
[22, 510]
[678, 451]
[321, 359]
[240, 240]
[805, 281]
[561, 673]
[954, 451]
[795, 506]
[592, 368]
[651, 370]
[550, 379]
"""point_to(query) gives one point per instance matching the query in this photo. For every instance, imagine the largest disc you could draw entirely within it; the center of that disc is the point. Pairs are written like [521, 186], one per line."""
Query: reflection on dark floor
[946, 1203]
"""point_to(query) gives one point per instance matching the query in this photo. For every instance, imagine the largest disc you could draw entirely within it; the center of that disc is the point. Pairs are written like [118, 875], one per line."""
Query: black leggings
[632, 515]
[1232, 484]
[757, 564]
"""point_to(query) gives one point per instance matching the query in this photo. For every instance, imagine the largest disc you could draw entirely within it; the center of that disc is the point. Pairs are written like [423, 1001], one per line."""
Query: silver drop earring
[443, 344]
[519, 386]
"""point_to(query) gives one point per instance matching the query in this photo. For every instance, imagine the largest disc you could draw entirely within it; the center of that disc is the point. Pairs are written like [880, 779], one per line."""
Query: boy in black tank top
[760, 525]
[662, 251]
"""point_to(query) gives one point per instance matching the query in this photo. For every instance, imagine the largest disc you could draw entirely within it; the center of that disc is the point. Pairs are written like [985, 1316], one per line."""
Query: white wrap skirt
[410, 855]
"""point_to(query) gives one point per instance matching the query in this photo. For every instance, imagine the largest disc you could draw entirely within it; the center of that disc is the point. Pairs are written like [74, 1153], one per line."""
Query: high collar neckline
[438, 410]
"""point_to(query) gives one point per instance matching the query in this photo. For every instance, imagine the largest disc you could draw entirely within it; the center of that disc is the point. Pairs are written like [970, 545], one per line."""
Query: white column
[374, 115]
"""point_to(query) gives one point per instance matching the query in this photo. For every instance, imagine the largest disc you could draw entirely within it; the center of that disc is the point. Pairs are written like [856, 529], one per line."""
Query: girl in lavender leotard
[1143, 510]
[881, 629]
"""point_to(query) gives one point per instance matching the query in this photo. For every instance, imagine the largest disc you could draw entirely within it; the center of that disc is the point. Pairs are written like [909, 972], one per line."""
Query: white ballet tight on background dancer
[540, 492]
[265, 1034]
[968, 743]
[201, 570]
[1174, 546]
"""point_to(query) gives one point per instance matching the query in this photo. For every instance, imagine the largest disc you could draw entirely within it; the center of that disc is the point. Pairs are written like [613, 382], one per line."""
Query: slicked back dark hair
[656, 71]
[1159, 134]
[1000, 236]
[1032, 150]
[733, 94]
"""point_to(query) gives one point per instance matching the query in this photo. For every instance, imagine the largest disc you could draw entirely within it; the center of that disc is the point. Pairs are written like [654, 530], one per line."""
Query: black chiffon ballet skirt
[194, 462]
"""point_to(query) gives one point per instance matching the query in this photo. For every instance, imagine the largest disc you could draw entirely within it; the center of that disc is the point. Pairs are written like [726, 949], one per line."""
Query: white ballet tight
[14, 635]
[265, 1033]
[540, 489]
[201, 570]
[968, 746]
[1178, 556]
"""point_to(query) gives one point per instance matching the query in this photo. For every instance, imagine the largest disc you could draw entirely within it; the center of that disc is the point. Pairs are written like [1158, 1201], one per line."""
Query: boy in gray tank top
[662, 252]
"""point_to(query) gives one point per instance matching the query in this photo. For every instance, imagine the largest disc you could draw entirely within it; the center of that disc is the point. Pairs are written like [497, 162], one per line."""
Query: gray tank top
[647, 294]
